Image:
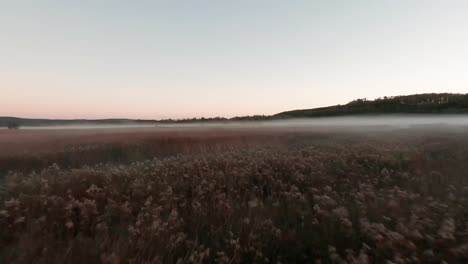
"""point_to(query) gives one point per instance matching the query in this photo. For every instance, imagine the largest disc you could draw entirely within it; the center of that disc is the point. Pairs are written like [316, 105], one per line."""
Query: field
[234, 195]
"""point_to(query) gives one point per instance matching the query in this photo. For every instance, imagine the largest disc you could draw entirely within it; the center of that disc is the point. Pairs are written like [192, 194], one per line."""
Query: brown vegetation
[244, 197]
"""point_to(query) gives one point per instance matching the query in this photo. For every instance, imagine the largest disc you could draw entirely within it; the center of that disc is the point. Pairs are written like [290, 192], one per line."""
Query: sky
[181, 59]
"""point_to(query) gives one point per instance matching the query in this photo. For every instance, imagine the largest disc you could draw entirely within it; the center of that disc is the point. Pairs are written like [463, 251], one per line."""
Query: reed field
[240, 195]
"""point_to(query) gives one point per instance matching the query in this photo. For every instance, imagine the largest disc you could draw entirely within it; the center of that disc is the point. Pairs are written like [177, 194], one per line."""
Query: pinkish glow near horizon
[171, 59]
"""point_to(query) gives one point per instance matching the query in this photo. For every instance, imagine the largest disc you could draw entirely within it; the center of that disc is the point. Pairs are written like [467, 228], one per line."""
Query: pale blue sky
[161, 59]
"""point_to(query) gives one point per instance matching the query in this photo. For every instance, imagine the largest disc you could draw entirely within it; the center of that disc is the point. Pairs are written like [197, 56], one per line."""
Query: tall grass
[292, 199]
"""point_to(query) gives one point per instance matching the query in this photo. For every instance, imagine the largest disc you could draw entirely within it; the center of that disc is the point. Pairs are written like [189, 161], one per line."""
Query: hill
[443, 103]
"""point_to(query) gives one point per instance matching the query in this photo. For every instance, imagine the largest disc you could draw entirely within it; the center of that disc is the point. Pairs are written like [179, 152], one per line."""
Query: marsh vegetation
[236, 196]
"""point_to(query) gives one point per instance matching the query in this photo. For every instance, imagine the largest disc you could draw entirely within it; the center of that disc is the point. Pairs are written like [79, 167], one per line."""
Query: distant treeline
[15, 122]
[443, 103]
[18, 122]
[216, 119]
[410, 104]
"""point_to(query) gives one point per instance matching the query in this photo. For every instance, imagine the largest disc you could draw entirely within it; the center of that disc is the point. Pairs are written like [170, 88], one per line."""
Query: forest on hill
[409, 104]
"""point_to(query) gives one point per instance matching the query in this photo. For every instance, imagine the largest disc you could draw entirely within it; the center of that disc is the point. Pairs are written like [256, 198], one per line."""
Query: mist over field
[396, 121]
[363, 121]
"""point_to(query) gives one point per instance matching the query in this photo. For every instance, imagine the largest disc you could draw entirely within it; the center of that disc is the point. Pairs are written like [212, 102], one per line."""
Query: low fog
[398, 121]
[368, 121]
[347, 122]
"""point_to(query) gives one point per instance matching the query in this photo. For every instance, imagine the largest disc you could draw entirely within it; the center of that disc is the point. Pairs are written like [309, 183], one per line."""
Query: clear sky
[177, 59]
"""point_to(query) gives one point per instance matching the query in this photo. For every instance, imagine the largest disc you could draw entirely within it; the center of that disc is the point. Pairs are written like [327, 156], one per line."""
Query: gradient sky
[176, 59]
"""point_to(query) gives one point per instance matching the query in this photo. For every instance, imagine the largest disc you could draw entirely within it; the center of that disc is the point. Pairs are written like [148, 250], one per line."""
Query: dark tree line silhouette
[410, 104]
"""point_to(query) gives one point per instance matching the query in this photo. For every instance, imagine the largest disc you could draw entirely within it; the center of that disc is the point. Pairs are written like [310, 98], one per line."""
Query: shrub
[13, 126]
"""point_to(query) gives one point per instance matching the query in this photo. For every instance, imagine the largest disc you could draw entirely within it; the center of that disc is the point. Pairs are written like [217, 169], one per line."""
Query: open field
[232, 195]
